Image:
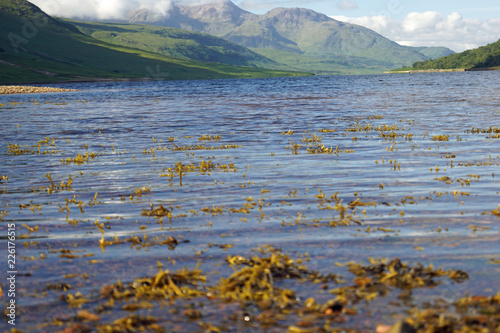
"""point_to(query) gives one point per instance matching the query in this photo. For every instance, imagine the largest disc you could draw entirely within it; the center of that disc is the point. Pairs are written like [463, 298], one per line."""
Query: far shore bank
[405, 71]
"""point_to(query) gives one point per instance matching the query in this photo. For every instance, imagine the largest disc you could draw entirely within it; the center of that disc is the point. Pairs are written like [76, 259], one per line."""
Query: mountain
[298, 37]
[35, 47]
[434, 52]
[176, 43]
[483, 57]
[218, 18]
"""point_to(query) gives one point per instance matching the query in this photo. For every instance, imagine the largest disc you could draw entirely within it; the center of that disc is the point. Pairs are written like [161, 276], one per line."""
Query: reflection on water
[341, 168]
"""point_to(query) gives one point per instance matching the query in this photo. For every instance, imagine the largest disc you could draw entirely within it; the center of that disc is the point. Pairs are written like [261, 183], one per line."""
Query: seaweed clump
[476, 314]
[164, 285]
[133, 323]
[376, 279]
[255, 279]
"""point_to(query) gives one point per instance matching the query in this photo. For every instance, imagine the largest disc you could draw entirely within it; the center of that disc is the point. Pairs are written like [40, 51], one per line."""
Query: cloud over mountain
[103, 9]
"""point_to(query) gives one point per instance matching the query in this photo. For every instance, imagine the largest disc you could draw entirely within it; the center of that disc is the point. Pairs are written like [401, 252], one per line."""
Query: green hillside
[482, 57]
[325, 66]
[434, 52]
[34, 47]
[199, 46]
[176, 43]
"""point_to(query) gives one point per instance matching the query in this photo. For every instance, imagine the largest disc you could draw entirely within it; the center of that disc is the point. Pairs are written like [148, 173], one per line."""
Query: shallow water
[416, 217]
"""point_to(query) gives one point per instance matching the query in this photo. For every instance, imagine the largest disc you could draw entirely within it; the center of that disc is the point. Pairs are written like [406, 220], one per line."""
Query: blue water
[421, 217]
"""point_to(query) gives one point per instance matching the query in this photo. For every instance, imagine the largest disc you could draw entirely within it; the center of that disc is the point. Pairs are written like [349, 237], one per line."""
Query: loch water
[413, 159]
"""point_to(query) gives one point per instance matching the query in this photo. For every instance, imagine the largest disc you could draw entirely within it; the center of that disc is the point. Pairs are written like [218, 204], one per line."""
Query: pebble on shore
[6, 90]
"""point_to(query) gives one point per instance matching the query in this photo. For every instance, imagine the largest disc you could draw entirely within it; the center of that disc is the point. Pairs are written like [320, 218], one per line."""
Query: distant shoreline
[405, 71]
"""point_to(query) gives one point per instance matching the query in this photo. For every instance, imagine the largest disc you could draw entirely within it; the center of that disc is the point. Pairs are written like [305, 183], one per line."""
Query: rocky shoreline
[7, 90]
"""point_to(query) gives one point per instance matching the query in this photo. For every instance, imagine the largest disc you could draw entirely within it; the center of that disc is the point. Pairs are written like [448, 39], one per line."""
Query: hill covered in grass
[35, 47]
[483, 57]
[176, 43]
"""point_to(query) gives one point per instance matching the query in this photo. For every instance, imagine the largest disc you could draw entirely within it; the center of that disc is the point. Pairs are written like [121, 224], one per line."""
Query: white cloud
[346, 5]
[378, 23]
[101, 9]
[432, 29]
[161, 7]
[421, 22]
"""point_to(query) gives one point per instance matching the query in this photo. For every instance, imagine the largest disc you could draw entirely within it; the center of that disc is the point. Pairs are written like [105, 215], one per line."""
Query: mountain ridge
[297, 30]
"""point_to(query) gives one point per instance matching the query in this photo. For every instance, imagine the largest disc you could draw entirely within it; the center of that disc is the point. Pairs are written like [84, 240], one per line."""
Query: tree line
[482, 57]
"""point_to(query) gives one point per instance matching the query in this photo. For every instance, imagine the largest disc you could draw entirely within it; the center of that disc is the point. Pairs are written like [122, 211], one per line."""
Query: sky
[458, 24]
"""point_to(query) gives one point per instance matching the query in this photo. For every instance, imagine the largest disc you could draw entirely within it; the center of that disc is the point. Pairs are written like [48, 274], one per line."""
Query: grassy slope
[364, 47]
[55, 51]
[366, 50]
[337, 65]
[191, 45]
[176, 43]
[329, 47]
[434, 52]
[487, 56]
[335, 45]
[323, 48]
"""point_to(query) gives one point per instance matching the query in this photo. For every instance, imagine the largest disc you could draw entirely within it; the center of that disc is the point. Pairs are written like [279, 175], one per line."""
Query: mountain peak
[217, 4]
[219, 11]
[297, 14]
[217, 18]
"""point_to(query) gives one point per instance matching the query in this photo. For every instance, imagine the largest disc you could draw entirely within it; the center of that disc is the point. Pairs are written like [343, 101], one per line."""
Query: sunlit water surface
[382, 130]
